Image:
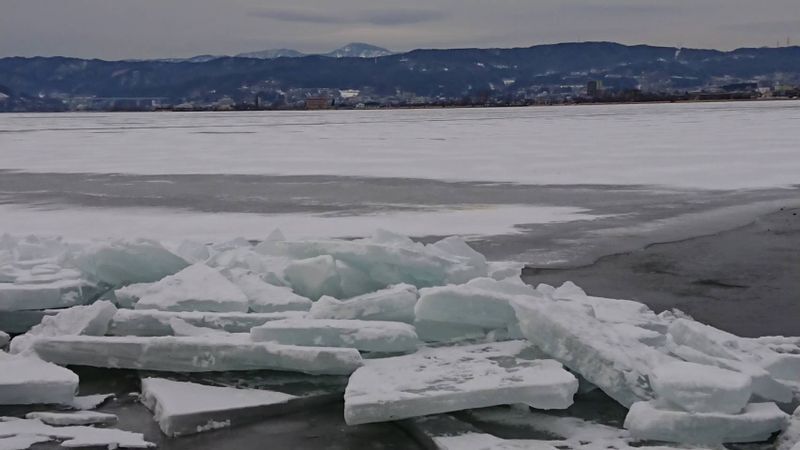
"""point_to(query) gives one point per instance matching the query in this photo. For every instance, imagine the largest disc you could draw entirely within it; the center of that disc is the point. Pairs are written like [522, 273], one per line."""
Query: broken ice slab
[718, 343]
[500, 270]
[182, 408]
[444, 379]
[90, 319]
[364, 335]
[4, 340]
[314, 277]
[613, 361]
[183, 328]
[482, 302]
[145, 322]
[26, 380]
[394, 304]
[121, 262]
[73, 436]
[445, 432]
[195, 288]
[73, 418]
[128, 296]
[610, 309]
[86, 402]
[790, 438]
[194, 354]
[700, 388]
[758, 421]
[263, 297]
[58, 294]
[47, 273]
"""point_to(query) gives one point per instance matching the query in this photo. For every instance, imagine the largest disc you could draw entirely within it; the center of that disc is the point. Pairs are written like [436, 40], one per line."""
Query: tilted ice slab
[484, 441]
[705, 344]
[28, 380]
[430, 331]
[700, 388]
[182, 328]
[613, 361]
[73, 436]
[16, 322]
[482, 302]
[58, 294]
[4, 340]
[195, 288]
[157, 323]
[611, 310]
[721, 344]
[73, 418]
[90, 320]
[263, 297]
[195, 354]
[314, 277]
[182, 408]
[395, 304]
[757, 422]
[87, 402]
[444, 379]
[364, 335]
[121, 262]
[128, 296]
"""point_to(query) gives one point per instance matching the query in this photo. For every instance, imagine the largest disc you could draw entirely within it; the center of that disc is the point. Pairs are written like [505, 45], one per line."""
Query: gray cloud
[387, 17]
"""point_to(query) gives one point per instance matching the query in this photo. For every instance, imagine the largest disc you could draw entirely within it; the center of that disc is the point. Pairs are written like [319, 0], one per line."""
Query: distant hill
[272, 54]
[358, 50]
[450, 73]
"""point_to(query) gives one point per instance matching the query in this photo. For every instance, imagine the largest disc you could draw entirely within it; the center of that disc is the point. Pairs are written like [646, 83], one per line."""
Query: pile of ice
[420, 329]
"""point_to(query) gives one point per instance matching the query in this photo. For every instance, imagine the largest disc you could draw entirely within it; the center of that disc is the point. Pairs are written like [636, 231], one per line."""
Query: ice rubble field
[421, 330]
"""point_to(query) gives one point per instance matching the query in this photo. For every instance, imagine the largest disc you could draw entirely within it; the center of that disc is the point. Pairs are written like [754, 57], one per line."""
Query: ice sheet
[364, 335]
[667, 144]
[195, 354]
[267, 298]
[700, 388]
[58, 294]
[444, 379]
[122, 262]
[90, 320]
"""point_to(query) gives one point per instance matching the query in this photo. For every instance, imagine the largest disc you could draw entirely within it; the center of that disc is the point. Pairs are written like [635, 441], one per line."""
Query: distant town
[360, 76]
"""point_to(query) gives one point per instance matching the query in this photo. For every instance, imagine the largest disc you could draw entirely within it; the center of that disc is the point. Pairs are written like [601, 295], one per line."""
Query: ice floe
[28, 380]
[195, 288]
[700, 388]
[73, 418]
[437, 380]
[71, 436]
[127, 322]
[758, 421]
[194, 354]
[182, 408]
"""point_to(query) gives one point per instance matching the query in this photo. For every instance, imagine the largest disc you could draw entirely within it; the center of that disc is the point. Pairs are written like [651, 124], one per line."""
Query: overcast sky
[116, 29]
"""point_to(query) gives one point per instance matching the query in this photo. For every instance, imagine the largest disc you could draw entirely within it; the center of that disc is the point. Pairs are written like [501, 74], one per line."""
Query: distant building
[321, 102]
[594, 88]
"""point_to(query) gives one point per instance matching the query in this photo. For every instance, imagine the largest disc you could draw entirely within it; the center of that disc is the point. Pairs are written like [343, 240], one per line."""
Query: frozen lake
[548, 185]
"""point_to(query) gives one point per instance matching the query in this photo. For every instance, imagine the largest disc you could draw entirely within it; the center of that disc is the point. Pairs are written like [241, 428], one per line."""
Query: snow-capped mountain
[359, 50]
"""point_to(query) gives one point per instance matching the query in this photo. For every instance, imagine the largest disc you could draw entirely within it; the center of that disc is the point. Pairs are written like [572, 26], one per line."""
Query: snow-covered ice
[147, 322]
[437, 380]
[72, 436]
[790, 438]
[700, 388]
[181, 327]
[122, 262]
[87, 402]
[195, 288]
[182, 408]
[758, 421]
[90, 320]
[364, 335]
[194, 354]
[395, 304]
[614, 362]
[73, 418]
[28, 380]
[267, 298]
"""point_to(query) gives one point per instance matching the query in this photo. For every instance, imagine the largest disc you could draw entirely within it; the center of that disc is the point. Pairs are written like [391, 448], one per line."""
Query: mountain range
[442, 73]
[351, 50]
